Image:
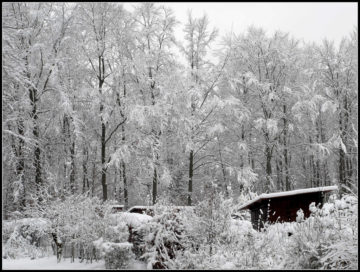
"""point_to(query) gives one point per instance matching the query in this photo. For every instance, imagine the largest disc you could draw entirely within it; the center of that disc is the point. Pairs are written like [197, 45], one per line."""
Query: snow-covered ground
[50, 263]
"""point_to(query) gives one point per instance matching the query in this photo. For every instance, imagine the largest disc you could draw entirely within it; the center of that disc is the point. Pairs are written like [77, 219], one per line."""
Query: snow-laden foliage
[27, 237]
[116, 255]
[164, 236]
[126, 226]
[328, 239]
[206, 237]
[75, 222]
[98, 100]
[325, 240]
[121, 241]
[188, 237]
[81, 224]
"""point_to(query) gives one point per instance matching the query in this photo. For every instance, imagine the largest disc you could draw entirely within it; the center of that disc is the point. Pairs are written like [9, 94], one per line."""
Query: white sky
[308, 21]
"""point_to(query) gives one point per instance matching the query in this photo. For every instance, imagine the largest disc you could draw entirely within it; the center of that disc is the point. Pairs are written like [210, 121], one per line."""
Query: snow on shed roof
[289, 193]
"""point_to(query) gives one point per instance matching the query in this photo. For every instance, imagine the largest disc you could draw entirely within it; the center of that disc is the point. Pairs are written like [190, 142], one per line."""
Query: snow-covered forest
[105, 106]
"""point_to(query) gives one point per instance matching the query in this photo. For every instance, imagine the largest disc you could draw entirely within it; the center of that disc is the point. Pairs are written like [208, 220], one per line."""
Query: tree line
[108, 102]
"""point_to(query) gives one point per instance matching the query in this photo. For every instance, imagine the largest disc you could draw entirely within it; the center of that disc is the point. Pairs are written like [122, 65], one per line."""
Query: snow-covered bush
[325, 240]
[208, 232]
[328, 238]
[164, 235]
[342, 253]
[214, 218]
[268, 248]
[116, 255]
[116, 231]
[8, 227]
[76, 222]
[206, 237]
[127, 228]
[29, 238]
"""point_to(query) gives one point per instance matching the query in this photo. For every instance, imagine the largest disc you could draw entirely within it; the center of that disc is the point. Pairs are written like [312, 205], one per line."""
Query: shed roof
[288, 193]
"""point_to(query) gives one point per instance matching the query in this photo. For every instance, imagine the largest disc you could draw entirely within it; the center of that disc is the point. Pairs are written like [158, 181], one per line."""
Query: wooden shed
[283, 206]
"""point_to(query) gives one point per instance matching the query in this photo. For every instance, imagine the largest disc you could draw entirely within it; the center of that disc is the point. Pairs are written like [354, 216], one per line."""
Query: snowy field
[50, 263]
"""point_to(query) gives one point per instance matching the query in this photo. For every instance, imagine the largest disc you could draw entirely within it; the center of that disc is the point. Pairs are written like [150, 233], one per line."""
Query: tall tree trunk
[223, 171]
[311, 171]
[123, 172]
[314, 171]
[64, 131]
[21, 163]
[154, 186]
[349, 166]
[37, 151]
[250, 155]
[191, 155]
[103, 128]
[268, 168]
[93, 179]
[85, 176]
[344, 136]
[155, 143]
[17, 151]
[191, 173]
[305, 171]
[318, 173]
[326, 178]
[342, 177]
[156, 162]
[72, 168]
[342, 174]
[286, 164]
[279, 174]
[119, 185]
[103, 159]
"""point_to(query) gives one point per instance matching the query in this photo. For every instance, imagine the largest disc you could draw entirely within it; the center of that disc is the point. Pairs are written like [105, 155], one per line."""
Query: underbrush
[208, 238]
[27, 237]
[201, 237]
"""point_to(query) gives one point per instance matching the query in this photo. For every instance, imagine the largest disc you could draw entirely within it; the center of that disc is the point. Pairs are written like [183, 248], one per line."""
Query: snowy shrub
[136, 237]
[214, 219]
[76, 222]
[343, 252]
[127, 227]
[8, 227]
[208, 234]
[328, 238]
[325, 240]
[29, 238]
[268, 248]
[163, 237]
[116, 231]
[116, 255]
[208, 238]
